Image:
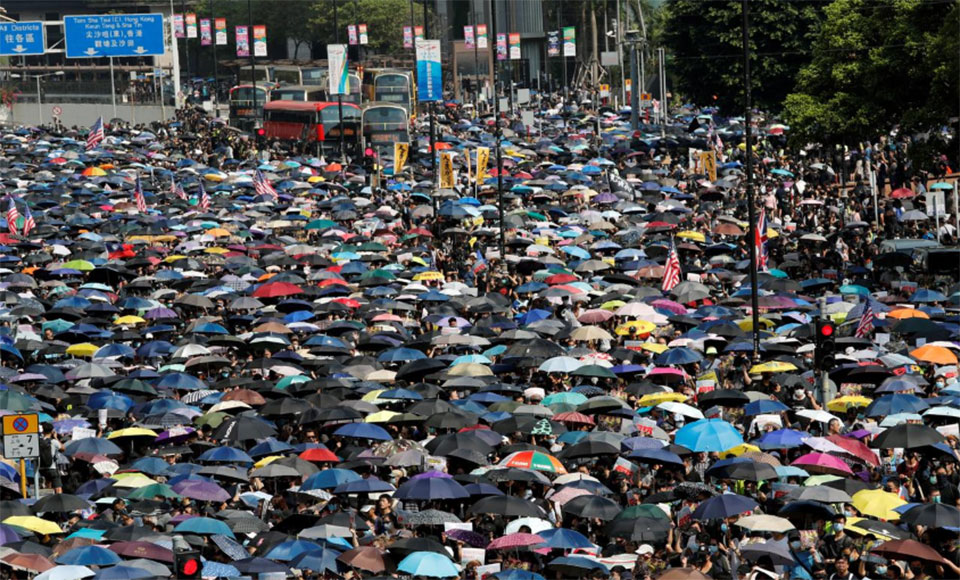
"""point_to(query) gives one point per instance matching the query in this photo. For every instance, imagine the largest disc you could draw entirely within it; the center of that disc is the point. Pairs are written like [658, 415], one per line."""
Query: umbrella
[88, 556]
[723, 506]
[708, 435]
[932, 515]
[878, 504]
[429, 564]
[907, 436]
[506, 505]
[365, 558]
[909, 550]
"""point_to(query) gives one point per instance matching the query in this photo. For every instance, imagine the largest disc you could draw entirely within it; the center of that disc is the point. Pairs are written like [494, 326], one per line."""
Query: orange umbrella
[904, 313]
[938, 355]
[94, 172]
[442, 146]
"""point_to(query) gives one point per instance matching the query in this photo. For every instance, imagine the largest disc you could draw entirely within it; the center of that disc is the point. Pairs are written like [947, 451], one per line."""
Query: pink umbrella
[823, 463]
[566, 494]
[518, 540]
[670, 305]
[595, 316]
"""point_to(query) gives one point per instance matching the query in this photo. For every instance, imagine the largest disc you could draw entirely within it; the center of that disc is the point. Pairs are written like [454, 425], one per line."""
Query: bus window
[331, 120]
[313, 76]
[287, 76]
[247, 94]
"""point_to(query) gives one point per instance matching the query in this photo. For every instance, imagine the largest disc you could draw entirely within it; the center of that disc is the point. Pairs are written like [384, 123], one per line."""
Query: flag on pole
[28, 222]
[95, 136]
[12, 216]
[177, 189]
[263, 186]
[760, 239]
[481, 263]
[138, 195]
[866, 322]
[671, 271]
[204, 198]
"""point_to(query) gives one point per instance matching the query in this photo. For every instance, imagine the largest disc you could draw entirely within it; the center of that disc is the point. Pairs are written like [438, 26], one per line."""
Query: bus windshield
[313, 76]
[385, 118]
[247, 94]
[287, 76]
[331, 120]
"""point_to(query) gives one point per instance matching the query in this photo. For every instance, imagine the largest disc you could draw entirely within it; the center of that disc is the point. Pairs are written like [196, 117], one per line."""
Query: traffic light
[187, 563]
[826, 344]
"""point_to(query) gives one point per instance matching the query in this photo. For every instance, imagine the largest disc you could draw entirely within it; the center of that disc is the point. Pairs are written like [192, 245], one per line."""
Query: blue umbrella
[895, 403]
[400, 354]
[286, 551]
[516, 574]
[708, 435]
[680, 355]
[723, 506]
[123, 573]
[576, 565]
[428, 564]
[151, 466]
[204, 527]
[180, 381]
[368, 485]
[92, 445]
[363, 431]
[650, 455]
[329, 479]
[564, 539]
[781, 439]
[213, 569]
[269, 447]
[431, 488]
[322, 560]
[88, 556]
[764, 406]
[927, 295]
[225, 454]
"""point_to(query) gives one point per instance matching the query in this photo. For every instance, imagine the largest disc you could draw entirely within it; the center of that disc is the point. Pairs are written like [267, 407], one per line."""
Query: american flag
[204, 198]
[263, 186]
[12, 216]
[760, 239]
[138, 195]
[671, 271]
[95, 136]
[866, 321]
[28, 222]
[177, 189]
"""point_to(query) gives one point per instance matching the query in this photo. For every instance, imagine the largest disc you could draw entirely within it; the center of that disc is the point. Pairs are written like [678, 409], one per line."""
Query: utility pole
[497, 136]
[216, 82]
[751, 203]
[430, 109]
[253, 60]
[634, 80]
[336, 27]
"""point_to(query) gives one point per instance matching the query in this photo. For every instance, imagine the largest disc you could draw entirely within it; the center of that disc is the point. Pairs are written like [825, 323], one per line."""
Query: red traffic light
[190, 567]
[826, 330]
[261, 132]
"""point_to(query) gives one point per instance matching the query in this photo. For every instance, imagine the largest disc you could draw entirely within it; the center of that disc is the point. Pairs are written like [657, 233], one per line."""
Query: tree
[877, 66]
[705, 46]
[385, 20]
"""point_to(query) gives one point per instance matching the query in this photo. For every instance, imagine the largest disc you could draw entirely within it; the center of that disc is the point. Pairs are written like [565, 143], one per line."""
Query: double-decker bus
[246, 105]
[384, 124]
[395, 86]
[298, 93]
[313, 123]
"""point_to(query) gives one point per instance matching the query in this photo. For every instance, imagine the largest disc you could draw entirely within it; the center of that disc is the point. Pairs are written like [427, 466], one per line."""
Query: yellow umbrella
[655, 347]
[691, 235]
[418, 260]
[642, 326]
[428, 276]
[314, 179]
[739, 450]
[216, 251]
[174, 258]
[132, 432]
[34, 524]
[217, 232]
[841, 404]
[747, 323]
[82, 349]
[612, 304]
[878, 504]
[372, 395]
[773, 366]
[380, 417]
[128, 320]
[131, 480]
[656, 398]
[267, 460]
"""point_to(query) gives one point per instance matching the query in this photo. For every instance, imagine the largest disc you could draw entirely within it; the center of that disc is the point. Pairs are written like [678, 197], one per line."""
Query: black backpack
[46, 453]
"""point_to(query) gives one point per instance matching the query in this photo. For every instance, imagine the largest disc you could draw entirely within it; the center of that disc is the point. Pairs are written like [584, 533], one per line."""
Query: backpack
[46, 453]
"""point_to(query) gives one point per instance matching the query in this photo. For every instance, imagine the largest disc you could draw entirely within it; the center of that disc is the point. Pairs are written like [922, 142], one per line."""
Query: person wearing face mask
[833, 545]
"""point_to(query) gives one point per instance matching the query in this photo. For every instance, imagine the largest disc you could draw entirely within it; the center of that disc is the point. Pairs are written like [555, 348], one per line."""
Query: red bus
[310, 121]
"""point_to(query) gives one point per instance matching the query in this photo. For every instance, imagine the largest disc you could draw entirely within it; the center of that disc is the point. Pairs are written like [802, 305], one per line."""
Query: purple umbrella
[606, 198]
[8, 535]
[430, 474]
[201, 490]
[160, 313]
[175, 434]
[467, 537]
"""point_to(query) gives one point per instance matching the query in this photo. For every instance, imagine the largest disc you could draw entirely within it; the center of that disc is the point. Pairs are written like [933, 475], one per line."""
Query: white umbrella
[535, 524]
[560, 364]
[66, 573]
[681, 409]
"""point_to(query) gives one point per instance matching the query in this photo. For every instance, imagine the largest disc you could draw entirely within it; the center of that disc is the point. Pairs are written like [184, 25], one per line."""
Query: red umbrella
[365, 558]
[902, 193]
[319, 454]
[856, 448]
[518, 540]
[561, 279]
[276, 290]
[573, 417]
[31, 562]
[910, 550]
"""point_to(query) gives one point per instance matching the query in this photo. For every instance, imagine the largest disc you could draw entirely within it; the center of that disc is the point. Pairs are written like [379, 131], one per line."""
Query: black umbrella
[592, 506]
[723, 398]
[60, 502]
[932, 515]
[639, 529]
[508, 506]
[243, 428]
[748, 471]
[907, 436]
[588, 448]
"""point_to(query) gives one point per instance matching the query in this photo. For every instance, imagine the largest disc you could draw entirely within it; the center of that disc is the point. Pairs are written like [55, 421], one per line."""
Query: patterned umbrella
[512, 541]
[536, 460]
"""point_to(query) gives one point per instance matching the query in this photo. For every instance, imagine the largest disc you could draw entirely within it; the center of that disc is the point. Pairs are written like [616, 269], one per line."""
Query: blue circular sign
[20, 424]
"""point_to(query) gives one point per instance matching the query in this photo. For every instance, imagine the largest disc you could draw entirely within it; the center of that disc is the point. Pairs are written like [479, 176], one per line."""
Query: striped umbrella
[536, 460]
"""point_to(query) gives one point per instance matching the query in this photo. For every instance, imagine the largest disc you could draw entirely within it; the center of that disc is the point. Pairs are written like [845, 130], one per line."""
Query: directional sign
[21, 436]
[94, 36]
[21, 38]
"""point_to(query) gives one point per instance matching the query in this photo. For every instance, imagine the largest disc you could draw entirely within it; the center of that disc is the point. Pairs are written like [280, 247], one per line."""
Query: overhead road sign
[100, 35]
[21, 38]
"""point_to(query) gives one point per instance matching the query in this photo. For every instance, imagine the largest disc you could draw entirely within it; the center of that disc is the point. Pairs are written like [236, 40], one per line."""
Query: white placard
[82, 433]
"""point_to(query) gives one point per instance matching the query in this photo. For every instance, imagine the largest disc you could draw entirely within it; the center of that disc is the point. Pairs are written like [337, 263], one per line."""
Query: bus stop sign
[99, 35]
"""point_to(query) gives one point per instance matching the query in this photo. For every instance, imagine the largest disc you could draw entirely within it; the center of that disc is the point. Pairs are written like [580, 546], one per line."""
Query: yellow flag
[708, 161]
[466, 156]
[483, 156]
[446, 170]
[400, 152]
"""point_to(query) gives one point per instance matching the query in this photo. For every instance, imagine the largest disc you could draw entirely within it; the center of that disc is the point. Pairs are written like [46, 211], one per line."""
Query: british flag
[138, 195]
[177, 189]
[12, 216]
[263, 186]
[671, 271]
[95, 136]
[204, 198]
[866, 321]
[760, 239]
[29, 224]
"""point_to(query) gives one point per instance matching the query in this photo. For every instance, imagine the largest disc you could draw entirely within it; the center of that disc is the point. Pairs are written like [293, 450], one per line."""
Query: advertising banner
[429, 74]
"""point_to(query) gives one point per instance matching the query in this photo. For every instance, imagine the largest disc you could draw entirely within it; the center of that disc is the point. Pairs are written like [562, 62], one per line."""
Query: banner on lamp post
[259, 40]
[338, 73]
[351, 34]
[178, 29]
[417, 33]
[553, 43]
[243, 41]
[191, 25]
[482, 36]
[206, 34]
[514, 46]
[501, 46]
[429, 73]
[220, 24]
[362, 33]
[569, 41]
[407, 37]
[468, 38]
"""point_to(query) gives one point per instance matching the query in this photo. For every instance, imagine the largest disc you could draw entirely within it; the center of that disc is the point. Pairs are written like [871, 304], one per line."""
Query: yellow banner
[466, 158]
[708, 160]
[483, 157]
[400, 153]
[446, 170]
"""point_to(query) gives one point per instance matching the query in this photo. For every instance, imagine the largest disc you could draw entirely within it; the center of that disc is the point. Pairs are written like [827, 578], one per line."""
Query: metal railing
[88, 92]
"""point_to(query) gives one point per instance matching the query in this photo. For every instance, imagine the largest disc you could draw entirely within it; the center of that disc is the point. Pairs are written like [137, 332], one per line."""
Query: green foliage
[705, 45]
[385, 20]
[875, 66]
